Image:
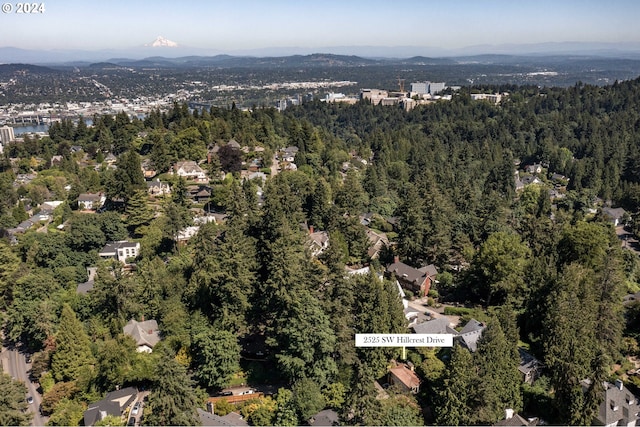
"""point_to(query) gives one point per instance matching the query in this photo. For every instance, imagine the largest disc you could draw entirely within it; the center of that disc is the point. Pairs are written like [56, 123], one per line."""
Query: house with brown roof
[404, 378]
[416, 280]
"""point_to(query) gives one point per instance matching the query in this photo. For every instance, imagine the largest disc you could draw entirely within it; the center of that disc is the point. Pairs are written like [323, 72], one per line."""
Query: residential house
[190, 171]
[416, 280]
[234, 144]
[122, 250]
[327, 417]
[56, 160]
[470, 334]
[257, 175]
[110, 159]
[619, 406]
[148, 169]
[319, 242]
[255, 165]
[530, 180]
[91, 201]
[439, 325]
[24, 178]
[534, 168]
[231, 419]
[145, 334]
[49, 206]
[468, 337]
[614, 216]
[515, 420]
[158, 188]
[203, 195]
[187, 233]
[366, 219]
[529, 366]
[404, 378]
[289, 154]
[377, 241]
[115, 403]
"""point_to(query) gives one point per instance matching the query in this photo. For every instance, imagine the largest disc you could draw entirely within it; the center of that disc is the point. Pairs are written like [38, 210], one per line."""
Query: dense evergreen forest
[540, 265]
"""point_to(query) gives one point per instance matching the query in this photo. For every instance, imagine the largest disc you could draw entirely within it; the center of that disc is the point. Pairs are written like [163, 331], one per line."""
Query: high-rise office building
[6, 134]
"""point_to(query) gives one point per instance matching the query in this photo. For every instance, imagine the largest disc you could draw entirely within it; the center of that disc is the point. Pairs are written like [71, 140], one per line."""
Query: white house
[122, 250]
[91, 201]
[190, 171]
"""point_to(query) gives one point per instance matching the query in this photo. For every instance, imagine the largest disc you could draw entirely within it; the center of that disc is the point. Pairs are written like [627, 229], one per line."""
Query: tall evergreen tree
[173, 400]
[571, 346]
[497, 361]
[73, 354]
[217, 356]
[139, 214]
[455, 399]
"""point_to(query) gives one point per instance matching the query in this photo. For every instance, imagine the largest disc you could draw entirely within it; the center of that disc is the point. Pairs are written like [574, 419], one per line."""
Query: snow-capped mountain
[162, 42]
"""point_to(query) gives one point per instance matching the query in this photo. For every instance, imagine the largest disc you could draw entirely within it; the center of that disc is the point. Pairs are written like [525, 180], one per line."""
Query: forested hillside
[247, 300]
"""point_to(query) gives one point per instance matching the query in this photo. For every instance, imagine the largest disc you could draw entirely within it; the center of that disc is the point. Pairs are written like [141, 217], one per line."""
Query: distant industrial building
[493, 98]
[6, 134]
[424, 88]
[374, 95]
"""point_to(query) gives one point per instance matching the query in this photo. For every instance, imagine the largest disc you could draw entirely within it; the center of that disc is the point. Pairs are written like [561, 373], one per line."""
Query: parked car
[135, 409]
[132, 421]
[29, 400]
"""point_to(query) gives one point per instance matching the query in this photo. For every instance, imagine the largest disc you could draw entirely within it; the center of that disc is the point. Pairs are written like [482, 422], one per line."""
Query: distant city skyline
[245, 25]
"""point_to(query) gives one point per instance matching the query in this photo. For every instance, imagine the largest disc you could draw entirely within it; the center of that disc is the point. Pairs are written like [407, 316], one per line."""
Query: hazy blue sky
[247, 24]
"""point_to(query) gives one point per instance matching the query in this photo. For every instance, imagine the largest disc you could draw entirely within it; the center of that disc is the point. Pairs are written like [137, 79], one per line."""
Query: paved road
[14, 363]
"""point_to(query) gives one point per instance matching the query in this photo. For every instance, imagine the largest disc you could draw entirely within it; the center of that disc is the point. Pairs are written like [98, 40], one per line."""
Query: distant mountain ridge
[172, 50]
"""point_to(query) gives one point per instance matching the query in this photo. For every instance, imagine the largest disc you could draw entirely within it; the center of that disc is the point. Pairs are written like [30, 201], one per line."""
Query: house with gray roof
[513, 419]
[619, 406]
[470, 334]
[439, 325]
[614, 216]
[326, 417]
[231, 419]
[529, 367]
[91, 201]
[145, 334]
[158, 188]
[115, 403]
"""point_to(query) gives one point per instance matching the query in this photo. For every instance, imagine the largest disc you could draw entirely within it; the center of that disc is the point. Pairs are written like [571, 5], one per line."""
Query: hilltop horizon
[166, 48]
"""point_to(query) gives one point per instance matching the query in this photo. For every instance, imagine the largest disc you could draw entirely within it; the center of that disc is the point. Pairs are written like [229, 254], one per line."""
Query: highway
[14, 363]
